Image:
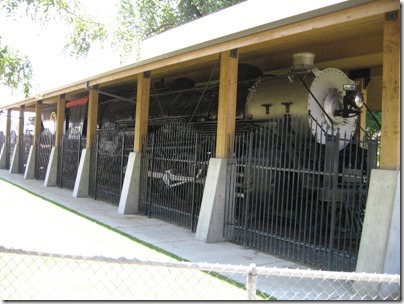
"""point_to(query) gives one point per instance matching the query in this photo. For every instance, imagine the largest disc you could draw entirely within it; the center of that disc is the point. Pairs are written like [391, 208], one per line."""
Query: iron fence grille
[25, 144]
[109, 157]
[2, 141]
[70, 148]
[173, 172]
[44, 145]
[291, 196]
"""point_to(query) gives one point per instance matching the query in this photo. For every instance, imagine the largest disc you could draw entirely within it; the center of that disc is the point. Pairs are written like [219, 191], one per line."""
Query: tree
[141, 19]
[15, 69]
[373, 123]
[136, 20]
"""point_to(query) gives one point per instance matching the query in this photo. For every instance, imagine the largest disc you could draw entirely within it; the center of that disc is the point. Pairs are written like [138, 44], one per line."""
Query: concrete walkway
[169, 237]
[27, 220]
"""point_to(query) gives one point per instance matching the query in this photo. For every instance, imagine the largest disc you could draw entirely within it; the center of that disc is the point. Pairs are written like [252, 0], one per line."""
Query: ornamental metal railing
[292, 196]
[173, 172]
[109, 157]
[70, 149]
[26, 142]
[44, 144]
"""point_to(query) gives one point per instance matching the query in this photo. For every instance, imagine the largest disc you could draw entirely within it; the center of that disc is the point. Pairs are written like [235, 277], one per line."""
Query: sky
[44, 47]
[53, 69]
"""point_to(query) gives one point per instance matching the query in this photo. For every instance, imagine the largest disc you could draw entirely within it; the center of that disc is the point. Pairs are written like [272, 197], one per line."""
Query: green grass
[215, 275]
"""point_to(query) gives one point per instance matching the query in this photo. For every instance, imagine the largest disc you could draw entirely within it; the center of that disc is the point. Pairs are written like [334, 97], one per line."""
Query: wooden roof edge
[374, 7]
[378, 6]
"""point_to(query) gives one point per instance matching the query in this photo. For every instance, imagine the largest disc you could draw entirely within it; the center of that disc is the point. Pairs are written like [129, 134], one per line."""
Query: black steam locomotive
[298, 170]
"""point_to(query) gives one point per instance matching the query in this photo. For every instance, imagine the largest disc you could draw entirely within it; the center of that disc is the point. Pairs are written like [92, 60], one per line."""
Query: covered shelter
[360, 38]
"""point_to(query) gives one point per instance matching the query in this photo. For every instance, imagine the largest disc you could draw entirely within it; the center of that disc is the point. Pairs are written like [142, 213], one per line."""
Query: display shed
[256, 136]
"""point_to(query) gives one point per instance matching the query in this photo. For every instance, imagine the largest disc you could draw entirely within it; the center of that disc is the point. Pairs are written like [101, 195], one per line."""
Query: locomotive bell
[315, 95]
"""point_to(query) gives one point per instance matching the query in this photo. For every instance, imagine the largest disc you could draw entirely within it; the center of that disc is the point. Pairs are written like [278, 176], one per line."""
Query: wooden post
[226, 124]
[60, 117]
[92, 116]
[8, 126]
[142, 110]
[38, 120]
[21, 123]
[362, 115]
[7, 142]
[390, 139]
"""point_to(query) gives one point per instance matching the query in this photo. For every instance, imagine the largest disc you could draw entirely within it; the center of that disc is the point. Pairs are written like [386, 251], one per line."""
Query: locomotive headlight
[358, 100]
[354, 99]
[352, 103]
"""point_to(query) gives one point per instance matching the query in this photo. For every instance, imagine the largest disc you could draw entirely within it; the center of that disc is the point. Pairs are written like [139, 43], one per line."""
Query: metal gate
[25, 144]
[2, 142]
[12, 141]
[296, 198]
[173, 171]
[44, 145]
[70, 148]
[109, 157]
[2, 139]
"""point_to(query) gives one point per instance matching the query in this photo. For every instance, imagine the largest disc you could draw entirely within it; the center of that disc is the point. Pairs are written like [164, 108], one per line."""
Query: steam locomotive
[298, 113]
[327, 96]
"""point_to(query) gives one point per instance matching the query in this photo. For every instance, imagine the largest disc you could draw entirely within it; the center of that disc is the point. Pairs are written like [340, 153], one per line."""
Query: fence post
[246, 188]
[252, 283]
[97, 150]
[61, 153]
[121, 172]
[149, 190]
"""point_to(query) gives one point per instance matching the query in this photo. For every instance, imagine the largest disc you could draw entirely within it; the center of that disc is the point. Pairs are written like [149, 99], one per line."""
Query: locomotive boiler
[326, 96]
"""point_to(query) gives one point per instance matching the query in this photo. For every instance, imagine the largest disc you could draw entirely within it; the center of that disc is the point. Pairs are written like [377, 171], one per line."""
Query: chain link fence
[26, 275]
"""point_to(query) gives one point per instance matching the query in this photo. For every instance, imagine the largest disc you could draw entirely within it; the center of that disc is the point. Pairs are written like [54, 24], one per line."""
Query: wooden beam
[8, 126]
[227, 103]
[92, 116]
[60, 117]
[283, 31]
[38, 120]
[362, 115]
[390, 138]
[142, 110]
[289, 32]
[21, 123]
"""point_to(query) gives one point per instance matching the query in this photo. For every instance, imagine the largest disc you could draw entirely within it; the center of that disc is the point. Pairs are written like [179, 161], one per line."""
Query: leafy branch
[15, 69]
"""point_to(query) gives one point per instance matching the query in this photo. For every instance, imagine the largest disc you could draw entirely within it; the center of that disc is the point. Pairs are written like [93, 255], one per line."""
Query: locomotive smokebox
[316, 96]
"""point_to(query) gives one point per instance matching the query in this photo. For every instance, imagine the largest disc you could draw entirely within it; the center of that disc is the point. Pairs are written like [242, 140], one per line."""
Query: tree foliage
[136, 20]
[373, 123]
[141, 19]
[15, 69]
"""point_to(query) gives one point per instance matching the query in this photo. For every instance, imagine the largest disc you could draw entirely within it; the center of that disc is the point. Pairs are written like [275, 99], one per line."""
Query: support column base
[3, 156]
[211, 216]
[15, 161]
[30, 169]
[83, 175]
[129, 200]
[52, 170]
